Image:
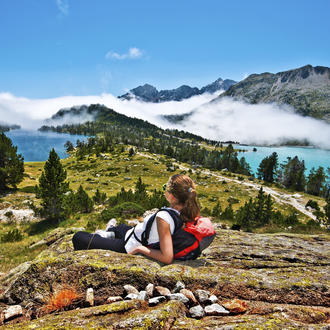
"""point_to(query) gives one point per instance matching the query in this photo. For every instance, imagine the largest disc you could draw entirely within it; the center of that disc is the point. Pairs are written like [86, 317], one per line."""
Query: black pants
[83, 240]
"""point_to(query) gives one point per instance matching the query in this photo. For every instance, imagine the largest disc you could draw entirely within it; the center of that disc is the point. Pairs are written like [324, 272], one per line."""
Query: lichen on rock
[267, 268]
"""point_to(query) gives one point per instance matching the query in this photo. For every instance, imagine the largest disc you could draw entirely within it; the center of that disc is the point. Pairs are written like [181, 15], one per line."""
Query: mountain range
[149, 93]
[305, 89]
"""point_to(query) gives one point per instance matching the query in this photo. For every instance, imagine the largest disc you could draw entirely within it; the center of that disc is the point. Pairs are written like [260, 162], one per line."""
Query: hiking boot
[111, 223]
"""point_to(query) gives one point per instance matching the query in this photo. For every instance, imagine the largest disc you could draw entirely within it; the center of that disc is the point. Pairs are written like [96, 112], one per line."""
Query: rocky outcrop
[284, 280]
[149, 93]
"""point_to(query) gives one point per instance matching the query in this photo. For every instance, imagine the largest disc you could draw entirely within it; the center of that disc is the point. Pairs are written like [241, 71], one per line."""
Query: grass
[109, 175]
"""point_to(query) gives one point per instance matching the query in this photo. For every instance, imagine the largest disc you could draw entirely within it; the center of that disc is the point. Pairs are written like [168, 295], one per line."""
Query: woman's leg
[86, 241]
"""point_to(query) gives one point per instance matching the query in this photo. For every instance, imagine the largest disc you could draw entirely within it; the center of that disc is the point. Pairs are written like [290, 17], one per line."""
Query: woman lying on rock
[161, 235]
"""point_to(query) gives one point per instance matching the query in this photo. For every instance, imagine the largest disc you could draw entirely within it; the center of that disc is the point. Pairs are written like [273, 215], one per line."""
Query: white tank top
[132, 243]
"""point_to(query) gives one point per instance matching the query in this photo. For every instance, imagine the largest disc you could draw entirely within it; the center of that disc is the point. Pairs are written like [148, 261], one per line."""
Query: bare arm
[165, 254]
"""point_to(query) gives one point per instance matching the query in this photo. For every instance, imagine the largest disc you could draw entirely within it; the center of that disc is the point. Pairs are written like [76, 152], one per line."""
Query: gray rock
[150, 289]
[114, 299]
[178, 296]
[163, 291]
[215, 309]
[213, 299]
[197, 312]
[12, 311]
[202, 295]
[143, 295]
[131, 289]
[131, 296]
[156, 300]
[178, 286]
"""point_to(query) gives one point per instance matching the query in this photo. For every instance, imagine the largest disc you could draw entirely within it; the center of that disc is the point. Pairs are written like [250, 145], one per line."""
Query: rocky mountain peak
[149, 93]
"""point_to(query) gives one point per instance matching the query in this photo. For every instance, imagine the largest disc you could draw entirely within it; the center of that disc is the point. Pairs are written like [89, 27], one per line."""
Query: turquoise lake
[313, 157]
[35, 146]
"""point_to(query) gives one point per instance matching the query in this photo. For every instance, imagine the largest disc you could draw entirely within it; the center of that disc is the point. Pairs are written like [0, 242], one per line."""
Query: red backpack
[189, 240]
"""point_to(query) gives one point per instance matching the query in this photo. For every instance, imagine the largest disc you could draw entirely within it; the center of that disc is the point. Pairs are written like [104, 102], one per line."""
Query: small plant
[60, 300]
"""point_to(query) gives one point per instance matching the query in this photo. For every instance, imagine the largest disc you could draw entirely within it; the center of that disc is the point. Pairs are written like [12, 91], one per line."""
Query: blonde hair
[182, 187]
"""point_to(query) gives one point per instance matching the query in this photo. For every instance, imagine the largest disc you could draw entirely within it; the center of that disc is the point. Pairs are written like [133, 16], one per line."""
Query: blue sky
[52, 48]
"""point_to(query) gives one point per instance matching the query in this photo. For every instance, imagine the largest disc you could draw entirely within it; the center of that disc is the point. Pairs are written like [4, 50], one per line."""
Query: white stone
[178, 296]
[13, 311]
[197, 312]
[215, 309]
[114, 299]
[131, 289]
[213, 299]
[202, 295]
[156, 300]
[90, 296]
[131, 296]
[142, 295]
[178, 286]
[150, 289]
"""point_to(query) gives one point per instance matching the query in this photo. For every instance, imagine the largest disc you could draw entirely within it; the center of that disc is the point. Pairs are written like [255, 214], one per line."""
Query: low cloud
[223, 120]
[133, 53]
[261, 124]
[63, 7]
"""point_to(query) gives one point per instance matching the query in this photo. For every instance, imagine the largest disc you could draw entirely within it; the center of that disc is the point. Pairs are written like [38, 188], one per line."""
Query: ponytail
[182, 187]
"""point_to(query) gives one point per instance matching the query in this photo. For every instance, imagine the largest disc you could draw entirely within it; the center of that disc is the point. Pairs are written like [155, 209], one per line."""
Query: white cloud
[133, 53]
[223, 120]
[63, 6]
[261, 124]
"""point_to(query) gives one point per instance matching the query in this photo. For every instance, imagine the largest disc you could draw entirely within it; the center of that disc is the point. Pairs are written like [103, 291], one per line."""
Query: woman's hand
[140, 249]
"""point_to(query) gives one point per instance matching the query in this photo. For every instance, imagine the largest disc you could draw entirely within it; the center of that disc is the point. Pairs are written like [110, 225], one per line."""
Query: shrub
[228, 213]
[92, 225]
[13, 235]
[233, 200]
[123, 210]
[313, 204]
[99, 197]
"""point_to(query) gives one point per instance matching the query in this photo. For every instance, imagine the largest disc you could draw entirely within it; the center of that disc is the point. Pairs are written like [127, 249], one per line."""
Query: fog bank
[222, 120]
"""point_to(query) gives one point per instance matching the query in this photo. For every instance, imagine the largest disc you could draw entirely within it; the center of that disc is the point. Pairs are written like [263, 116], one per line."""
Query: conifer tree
[52, 188]
[99, 197]
[316, 181]
[267, 168]
[327, 211]
[292, 174]
[11, 164]
[83, 202]
[216, 212]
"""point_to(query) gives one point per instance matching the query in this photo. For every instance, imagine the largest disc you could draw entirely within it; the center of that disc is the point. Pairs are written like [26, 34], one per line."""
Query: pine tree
[327, 211]
[267, 168]
[83, 202]
[292, 174]
[245, 215]
[99, 197]
[52, 188]
[11, 164]
[216, 212]
[316, 181]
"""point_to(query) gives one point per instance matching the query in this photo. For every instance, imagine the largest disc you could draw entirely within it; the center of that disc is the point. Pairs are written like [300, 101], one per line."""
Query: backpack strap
[174, 215]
